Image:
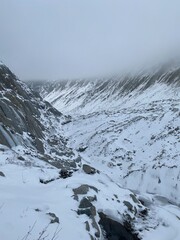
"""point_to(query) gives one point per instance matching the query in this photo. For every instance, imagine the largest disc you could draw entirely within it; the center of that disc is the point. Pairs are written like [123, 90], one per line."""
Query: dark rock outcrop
[2, 174]
[53, 217]
[19, 113]
[83, 189]
[88, 169]
[27, 120]
[86, 207]
[115, 230]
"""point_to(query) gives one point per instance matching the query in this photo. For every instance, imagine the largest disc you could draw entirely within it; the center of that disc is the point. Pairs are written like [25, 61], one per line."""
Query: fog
[53, 39]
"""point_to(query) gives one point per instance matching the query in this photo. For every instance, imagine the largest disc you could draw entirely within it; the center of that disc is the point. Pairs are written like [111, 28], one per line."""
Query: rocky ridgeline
[27, 120]
[124, 135]
[129, 125]
[90, 95]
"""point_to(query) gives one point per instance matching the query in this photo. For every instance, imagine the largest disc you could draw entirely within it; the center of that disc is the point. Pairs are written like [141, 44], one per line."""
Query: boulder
[2, 174]
[114, 230]
[88, 169]
[86, 207]
[54, 218]
[83, 189]
[85, 203]
[90, 212]
[64, 173]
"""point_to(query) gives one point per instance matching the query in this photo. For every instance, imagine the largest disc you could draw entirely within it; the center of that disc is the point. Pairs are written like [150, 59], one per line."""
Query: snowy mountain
[25, 120]
[127, 127]
[91, 95]
[108, 169]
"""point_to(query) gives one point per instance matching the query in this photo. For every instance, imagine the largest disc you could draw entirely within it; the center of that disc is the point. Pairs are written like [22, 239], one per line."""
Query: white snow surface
[133, 138]
[25, 203]
[133, 142]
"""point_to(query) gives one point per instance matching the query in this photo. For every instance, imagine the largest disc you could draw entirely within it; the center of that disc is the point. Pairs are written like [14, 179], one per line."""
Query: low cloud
[52, 39]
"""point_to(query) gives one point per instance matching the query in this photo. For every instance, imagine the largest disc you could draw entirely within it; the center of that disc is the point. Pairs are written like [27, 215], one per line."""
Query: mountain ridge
[108, 170]
[132, 123]
[73, 95]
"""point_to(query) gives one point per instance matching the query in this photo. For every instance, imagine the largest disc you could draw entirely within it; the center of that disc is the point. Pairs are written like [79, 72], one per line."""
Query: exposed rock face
[19, 113]
[27, 120]
[114, 230]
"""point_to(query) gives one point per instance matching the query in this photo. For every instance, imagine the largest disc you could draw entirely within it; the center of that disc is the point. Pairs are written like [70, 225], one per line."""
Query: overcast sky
[52, 39]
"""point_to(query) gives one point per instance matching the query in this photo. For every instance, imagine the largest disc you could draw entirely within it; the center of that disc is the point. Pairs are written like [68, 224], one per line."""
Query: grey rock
[91, 237]
[128, 205]
[64, 173]
[95, 225]
[85, 203]
[115, 230]
[54, 218]
[21, 158]
[21, 114]
[82, 148]
[83, 189]
[73, 164]
[76, 197]
[87, 211]
[94, 188]
[78, 159]
[86, 207]
[92, 199]
[2, 174]
[87, 226]
[88, 169]
[135, 200]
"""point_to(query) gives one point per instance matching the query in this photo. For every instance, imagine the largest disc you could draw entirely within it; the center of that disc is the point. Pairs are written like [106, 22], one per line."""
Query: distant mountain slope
[89, 95]
[80, 189]
[130, 125]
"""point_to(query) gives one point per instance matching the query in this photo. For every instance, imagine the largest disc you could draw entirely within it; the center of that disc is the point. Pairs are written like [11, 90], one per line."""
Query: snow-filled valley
[107, 167]
[27, 204]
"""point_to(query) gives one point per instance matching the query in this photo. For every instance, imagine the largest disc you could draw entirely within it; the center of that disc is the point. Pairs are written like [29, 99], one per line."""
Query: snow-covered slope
[127, 127]
[76, 185]
[73, 207]
[92, 95]
[130, 127]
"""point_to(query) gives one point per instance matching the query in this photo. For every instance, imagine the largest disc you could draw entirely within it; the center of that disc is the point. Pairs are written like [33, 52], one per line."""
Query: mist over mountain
[105, 93]
[81, 39]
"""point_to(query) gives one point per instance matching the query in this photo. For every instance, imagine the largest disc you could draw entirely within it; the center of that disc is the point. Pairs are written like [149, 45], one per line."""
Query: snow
[171, 229]
[25, 203]
[132, 142]
[146, 145]
[21, 194]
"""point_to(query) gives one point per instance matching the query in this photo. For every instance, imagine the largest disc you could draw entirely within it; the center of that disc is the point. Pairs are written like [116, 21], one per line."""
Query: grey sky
[50, 39]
